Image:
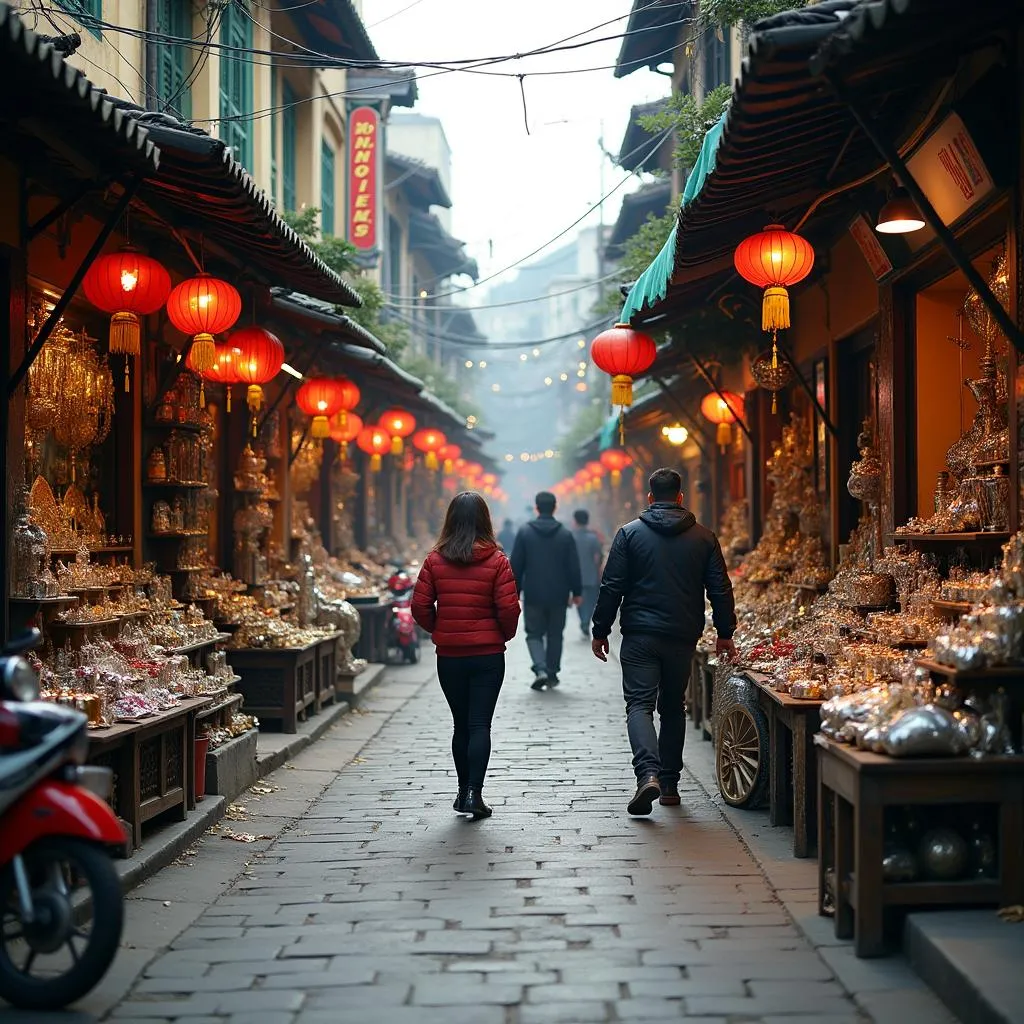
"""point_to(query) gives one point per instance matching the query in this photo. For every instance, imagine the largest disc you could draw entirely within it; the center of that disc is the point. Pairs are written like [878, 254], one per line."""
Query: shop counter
[327, 690]
[278, 682]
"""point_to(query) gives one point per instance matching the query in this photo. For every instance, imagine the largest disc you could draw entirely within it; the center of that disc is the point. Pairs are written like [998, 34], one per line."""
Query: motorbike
[61, 908]
[403, 633]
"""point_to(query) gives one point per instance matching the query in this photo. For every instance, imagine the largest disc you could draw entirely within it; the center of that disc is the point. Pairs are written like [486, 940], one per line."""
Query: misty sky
[511, 189]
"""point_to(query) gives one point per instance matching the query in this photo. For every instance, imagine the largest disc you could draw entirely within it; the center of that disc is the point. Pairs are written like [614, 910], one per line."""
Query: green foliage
[372, 316]
[733, 12]
[439, 383]
[689, 121]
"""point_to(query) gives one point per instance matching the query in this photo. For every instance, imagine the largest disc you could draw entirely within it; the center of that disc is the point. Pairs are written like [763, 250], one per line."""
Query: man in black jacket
[547, 571]
[658, 569]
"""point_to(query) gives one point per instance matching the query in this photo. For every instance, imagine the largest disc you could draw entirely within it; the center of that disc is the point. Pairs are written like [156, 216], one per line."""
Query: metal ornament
[771, 373]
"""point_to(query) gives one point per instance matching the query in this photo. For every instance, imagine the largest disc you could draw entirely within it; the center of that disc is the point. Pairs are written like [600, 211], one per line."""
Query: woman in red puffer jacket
[466, 598]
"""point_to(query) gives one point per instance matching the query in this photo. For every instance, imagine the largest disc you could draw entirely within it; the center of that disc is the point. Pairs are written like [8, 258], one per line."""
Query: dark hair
[466, 524]
[545, 502]
[665, 485]
[582, 516]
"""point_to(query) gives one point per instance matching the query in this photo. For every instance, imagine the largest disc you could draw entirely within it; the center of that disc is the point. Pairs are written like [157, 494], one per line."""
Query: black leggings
[471, 687]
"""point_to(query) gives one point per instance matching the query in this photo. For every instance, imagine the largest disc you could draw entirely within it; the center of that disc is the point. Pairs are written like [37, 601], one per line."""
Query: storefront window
[93, 9]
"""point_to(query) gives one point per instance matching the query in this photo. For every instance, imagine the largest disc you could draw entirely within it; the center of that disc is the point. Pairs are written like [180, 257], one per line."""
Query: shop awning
[49, 100]
[321, 319]
[396, 85]
[651, 33]
[420, 183]
[333, 28]
[444, 252]
[202, 189]
[787, 141]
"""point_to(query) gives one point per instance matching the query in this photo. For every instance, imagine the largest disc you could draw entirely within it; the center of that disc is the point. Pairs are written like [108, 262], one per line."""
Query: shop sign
[950, 171]
[870, 247]
[364, 156]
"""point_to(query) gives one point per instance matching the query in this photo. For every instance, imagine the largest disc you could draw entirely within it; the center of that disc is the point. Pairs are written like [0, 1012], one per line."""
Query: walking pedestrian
[507, 537]
[547, 571]
[591, 552]
[659, 568]
[466, 598]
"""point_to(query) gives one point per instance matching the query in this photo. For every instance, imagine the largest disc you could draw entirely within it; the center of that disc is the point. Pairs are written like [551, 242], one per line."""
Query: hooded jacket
[545, 563]
[467, 609]
[588, 547]
[658, 569]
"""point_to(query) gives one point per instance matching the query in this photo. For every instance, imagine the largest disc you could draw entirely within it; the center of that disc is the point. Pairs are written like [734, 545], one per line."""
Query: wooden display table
[373, 638]
[153, 763]
[792, 767]
[857, 787]
[278, 682]
[327, 670]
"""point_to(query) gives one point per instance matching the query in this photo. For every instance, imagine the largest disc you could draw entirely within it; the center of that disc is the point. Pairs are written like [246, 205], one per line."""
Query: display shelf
[191, 428]
[116, 549]
[36, 602]
[92, 624]
[177, 534]
[931, 539]
[998, 675]
[199, 645]
[231, 701]
[178, 485]
[951, 608]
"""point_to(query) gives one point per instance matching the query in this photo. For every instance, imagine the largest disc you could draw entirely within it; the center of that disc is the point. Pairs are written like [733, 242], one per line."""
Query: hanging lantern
[596, 471]
[344, 431]
[319, 397]
[375, 442]
[448, 455]
[615, 460]
[259, 356]
[204, 306]
[489, 479]
[126, 284]
[582, 481]
[399, 424]
[430, 441]
[774, 259]
[350, 397]
[224, 370]
[623, 353]
[722, 409]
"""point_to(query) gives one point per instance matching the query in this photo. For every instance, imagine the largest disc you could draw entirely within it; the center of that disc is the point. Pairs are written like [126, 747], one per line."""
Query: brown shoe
[669, 797]
[646, 793]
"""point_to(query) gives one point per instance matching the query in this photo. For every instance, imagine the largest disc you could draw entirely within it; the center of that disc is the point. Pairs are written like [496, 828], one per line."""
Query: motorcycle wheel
[58, 958]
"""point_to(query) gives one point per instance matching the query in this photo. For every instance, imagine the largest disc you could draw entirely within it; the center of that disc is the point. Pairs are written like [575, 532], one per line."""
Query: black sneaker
[540, 681]
[647, 792]
[553, 680]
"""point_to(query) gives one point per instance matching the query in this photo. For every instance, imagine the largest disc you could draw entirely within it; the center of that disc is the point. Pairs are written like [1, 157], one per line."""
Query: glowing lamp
[258, 358]
[375, 441]
[623, 353]
[399, 424]
[774, 259]
[344, 431]
[900, 215]
[676, 434]
[615, 460]
[319, 397]
[204, 306]
[429, 441]
[448, 455]
[722, 409]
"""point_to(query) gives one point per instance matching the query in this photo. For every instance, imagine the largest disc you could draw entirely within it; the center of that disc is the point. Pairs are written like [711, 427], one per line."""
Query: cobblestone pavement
[374, 902]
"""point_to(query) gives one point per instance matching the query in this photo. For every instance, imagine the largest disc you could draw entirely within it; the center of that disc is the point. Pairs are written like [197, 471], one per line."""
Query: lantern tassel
[622, 428]
[374, 463]
[775, 309]
[622, 389]
[124, 333]
[724, 435]
[254, 397]
[397, 447]
[127, 375]
[204, 352]
[775, 403]
[431, 461]
[321, 428]
[202, 393]
[616, 477]
[227, 405]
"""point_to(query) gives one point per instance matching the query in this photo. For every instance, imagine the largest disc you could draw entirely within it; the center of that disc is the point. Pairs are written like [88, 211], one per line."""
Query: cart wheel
[741, 755]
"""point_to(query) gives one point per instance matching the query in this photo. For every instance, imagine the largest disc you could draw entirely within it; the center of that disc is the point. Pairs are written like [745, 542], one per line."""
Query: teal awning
[652, 285]
[609, 433]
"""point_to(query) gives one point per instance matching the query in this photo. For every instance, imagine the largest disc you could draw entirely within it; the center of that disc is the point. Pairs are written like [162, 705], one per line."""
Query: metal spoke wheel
[741, 752]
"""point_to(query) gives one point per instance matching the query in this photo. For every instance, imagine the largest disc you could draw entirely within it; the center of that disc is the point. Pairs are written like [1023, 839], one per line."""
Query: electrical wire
[427, 331]
[408, 7]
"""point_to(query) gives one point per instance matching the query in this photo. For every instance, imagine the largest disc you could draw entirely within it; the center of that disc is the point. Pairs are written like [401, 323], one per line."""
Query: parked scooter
[61, 909]
[403, 633]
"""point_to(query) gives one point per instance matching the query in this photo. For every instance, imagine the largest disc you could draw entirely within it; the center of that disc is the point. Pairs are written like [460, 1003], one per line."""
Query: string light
[482, 364]
[563, 377]
[581, 373]
[523, 357]
[582, 365]
[536, 353]
[469, 364]
[495, 388]
[582, 343]
[548, 453]
[548, 381]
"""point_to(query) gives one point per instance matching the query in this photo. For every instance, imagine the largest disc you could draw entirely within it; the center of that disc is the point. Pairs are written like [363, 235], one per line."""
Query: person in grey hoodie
[588, 547]
[659, 568]
[547, 571]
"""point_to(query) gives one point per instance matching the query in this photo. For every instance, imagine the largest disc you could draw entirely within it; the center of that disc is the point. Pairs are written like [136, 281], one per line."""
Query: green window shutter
[326, 188]
[174, 60]
[289, 131]
[273, 133]
[236, 83]
[92, 8]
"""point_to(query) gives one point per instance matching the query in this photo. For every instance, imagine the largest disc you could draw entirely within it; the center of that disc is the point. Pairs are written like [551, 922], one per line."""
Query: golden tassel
[622, 429]
[202, 393]
[775, 403]
[622, 389]
[254, 397]
[124, 333]
[397, 446]
[775, 308]
[616, 477]
[204, 352]
[431, 461]
[321, 428]
[127, 375]
[374, 463]
[227, 406]
[724, 436]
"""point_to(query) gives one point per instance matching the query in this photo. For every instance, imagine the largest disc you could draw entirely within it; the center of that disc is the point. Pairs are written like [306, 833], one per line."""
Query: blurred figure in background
[588, 547]
[507, 536]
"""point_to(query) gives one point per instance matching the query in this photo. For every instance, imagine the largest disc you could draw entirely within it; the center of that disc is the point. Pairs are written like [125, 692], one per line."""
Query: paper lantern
[429, 441]
[201, 307]
[259, 356]
[615, 460]
[722, 409]
[350, 396]
[319, 397]
[345, 431]
[399, 423]
[774, 259]
[375, 441]
[448, 455]
[224, 370]
[622, 353]
[126, 284]
[597, 472]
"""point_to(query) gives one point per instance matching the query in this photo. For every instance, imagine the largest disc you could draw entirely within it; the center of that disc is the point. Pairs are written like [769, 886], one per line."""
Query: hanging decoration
[771, 373]
[723, 409]
[375, 441]
[344, 431]
[774, 259]
[622, 352]
[399, 423]
[201, 307]
[582, 481]
[127, 284]
[615, 460]
[350, 397]
[429, 441]
[320, 398]
[448, 456]
[224, 370]
[259, 356]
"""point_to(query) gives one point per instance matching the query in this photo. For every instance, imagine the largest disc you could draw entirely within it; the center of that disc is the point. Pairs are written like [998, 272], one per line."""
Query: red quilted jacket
[467, 609]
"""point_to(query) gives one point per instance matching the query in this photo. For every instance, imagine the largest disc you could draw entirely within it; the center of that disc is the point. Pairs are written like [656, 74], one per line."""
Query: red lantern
[430, 441]
[489, 479]
[773, 259]
[615, 460]
[623, 353]
[597, 472]
[258, 360]
[348, 430]
[224, 370]
[349, 397]
[448, 455]
[723, 409]
[127, 284]
[582, 480]
[399, 424]
[204, 306]
[375, 442]
[319, 397]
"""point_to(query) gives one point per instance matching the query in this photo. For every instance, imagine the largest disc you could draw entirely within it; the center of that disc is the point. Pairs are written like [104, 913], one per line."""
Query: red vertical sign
[363, 140]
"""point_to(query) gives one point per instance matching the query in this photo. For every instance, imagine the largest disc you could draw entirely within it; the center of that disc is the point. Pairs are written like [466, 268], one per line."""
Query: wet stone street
[367, 899]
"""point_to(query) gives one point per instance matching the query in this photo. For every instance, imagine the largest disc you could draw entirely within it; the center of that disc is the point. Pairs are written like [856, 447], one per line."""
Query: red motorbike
[61, 909]
[403, 633]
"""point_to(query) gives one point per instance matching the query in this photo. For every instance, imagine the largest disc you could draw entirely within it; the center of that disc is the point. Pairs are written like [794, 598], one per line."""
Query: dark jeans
[471, 687]
[545, 624]
[655, 671]
[587, 606]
